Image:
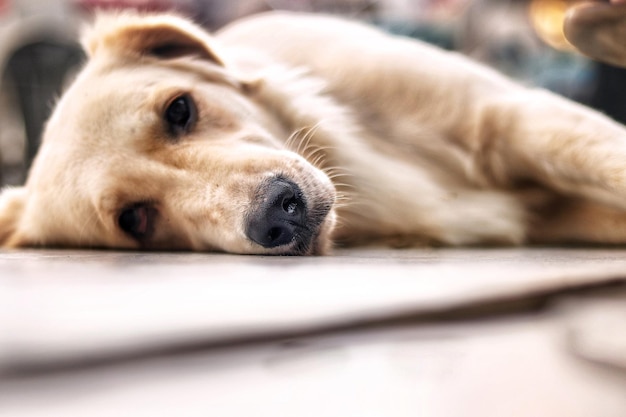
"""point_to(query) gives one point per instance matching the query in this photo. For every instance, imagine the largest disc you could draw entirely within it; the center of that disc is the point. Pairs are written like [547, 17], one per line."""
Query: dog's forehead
[108, 103]
[90, 122]
[98, 104]
[104, 114]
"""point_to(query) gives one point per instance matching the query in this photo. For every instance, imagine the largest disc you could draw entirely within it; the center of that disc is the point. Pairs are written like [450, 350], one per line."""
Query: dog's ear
[12, 201]
[161, 36]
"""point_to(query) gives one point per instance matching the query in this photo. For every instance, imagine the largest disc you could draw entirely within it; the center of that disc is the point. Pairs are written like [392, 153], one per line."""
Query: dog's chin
[323, 243]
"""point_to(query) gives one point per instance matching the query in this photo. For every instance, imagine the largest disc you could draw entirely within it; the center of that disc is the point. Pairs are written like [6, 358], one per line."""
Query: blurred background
[522, 38]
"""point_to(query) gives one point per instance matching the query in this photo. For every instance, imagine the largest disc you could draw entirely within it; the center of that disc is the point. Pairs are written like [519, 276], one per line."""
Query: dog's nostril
[290, 205]
[274, 234]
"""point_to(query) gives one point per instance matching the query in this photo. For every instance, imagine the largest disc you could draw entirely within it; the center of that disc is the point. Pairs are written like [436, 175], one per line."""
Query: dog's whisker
[312, 152]
[334, 175]
[341, 195]
[319, 161]
[289, 143]
[305, 141]
[296, 135]
[342, 200]
[335, 168]
[341, 222]
[341, 204]
[314, 149]
[311, 132]
[301, 144]
[344, 185]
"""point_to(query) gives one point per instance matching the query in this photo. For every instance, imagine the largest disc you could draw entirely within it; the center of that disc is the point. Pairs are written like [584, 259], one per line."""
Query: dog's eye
[180, 115]
[136, 221]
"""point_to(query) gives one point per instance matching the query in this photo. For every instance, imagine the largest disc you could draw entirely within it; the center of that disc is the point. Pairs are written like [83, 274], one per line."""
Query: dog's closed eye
[180, 115]
[137, 221]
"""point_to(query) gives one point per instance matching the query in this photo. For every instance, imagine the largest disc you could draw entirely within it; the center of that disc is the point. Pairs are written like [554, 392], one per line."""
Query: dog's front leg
[538, 136]
[577, 154]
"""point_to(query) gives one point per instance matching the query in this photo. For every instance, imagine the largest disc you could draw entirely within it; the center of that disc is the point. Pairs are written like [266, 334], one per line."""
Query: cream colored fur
[408, 144]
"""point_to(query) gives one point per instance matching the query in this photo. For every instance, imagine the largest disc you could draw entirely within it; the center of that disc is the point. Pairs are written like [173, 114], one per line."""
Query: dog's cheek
[323, 244]
[219, 220]
[12, 202]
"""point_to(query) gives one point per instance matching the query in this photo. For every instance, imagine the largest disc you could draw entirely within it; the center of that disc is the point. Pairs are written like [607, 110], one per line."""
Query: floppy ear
[12, 202]
[159, 35]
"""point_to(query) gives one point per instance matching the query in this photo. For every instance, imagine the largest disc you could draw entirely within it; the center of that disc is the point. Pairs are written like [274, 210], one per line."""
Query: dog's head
[158, 144]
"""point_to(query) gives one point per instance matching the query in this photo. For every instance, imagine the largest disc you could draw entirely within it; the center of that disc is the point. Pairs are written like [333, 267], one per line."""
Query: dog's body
[288, 132]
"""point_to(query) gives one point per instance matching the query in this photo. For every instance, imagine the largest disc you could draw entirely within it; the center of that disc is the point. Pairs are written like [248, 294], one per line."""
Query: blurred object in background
[547, 17]
[497, 32]
[345, 7]
[145, 5]
[525, 39]
[433, 21]
[598, 29]
[606, 95]
[504, 34]
[181, 6]
[37, 51]
[39, 70]
[214, 14]
[4, 9]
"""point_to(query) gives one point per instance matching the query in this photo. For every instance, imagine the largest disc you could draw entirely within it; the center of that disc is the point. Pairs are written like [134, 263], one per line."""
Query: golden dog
[284, 133]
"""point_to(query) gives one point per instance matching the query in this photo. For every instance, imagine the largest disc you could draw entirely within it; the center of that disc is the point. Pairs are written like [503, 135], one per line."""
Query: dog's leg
[571, 220]
[540, 137]
[575, 153]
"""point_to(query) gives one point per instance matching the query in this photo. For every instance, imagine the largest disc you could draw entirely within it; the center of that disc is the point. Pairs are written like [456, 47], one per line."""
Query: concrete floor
[479, 332]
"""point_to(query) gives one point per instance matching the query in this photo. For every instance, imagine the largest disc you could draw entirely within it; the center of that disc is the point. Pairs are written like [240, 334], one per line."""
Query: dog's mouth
[284, 220]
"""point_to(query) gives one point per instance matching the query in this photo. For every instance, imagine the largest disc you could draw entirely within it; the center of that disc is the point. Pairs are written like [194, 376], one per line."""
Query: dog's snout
[279, 217]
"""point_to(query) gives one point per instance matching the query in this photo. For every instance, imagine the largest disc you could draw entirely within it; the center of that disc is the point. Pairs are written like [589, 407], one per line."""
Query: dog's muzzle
[280, 216]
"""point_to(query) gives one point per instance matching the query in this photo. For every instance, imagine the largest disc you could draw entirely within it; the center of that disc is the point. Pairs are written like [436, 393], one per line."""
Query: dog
[285, 133]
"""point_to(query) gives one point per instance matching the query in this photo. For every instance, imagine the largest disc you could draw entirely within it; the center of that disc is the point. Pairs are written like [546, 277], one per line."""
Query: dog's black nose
[280, 215]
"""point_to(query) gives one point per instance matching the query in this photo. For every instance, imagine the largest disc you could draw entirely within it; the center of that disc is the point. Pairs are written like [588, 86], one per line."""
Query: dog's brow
[208, 72]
